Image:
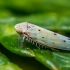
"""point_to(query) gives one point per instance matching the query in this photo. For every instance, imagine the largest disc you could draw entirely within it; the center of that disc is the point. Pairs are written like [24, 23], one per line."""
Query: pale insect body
[41, 36]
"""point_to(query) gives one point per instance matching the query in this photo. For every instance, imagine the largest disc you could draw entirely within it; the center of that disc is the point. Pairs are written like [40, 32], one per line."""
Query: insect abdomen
[49, 38]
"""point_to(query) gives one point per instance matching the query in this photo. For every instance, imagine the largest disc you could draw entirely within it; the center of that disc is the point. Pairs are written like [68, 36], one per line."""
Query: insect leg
[21, 40]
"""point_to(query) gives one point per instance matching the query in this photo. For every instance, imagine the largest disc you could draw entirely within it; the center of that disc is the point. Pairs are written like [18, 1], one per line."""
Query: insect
[42, 37]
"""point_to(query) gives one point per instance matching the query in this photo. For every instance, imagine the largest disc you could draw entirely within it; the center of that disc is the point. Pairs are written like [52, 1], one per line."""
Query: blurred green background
[50, 14]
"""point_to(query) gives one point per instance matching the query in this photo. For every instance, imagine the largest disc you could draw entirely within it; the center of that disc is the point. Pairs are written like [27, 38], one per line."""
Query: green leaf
[9, 38]
[5, 64]
[53, 60]
[34, 6]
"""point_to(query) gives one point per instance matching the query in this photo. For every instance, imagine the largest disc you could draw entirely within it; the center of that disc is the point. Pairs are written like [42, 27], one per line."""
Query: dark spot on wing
[42, 37]
[39, 30]
[55, 34]
[64, 41]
